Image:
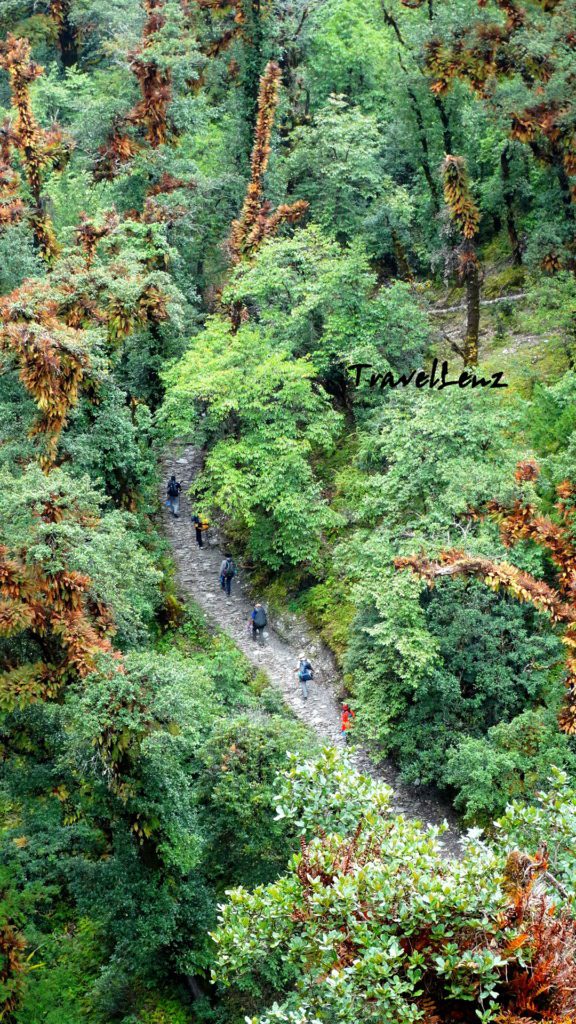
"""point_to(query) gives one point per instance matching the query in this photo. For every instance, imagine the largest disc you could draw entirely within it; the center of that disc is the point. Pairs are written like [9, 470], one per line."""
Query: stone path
[197, 573]
[437, 310]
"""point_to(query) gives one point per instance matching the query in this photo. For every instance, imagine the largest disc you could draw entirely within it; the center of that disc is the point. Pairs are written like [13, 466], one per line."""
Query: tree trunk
[508, 196]
[554, 157]
[401, 259]
[393, 24]
[564, 183]
[425, 158]
[445, 121]
[472, 313]
[438, 102]
[67, 34]
[252, 63]
[197, 986]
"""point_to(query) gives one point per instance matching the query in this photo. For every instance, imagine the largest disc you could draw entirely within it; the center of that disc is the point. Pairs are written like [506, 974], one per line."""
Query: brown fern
[257, 221]
[39, 150]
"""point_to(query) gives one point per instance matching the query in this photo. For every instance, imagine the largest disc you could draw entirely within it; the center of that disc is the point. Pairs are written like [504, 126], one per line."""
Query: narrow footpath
[197, 572]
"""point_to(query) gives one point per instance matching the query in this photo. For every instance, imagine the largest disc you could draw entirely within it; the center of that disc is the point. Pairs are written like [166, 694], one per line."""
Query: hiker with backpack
[347, 718]
[200, 525]
[305, 674]
[227, 573]
[259, 620]
[173, 492]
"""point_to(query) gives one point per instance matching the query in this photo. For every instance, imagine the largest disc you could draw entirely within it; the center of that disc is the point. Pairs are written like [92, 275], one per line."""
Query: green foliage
[424, 463]
[112, 444]
[334, 165]
[510, 763]
[327, 789]
[18, 413]
[291, 933]
[260, 475]
[141, 796]
[390, 651]
[552, 425]
[448, 681]
[17, 258]
[431, 458]
[56, 989]
[330, 611]
[143, 721]
[157, 784]
[343, 61]
[548, 818]
[239, 766]
[324, 300]
[102, 544]
[494, 659]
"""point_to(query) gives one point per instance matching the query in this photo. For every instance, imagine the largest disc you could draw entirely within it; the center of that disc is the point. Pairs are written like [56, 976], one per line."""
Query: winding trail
[437, 310]
[197, 572]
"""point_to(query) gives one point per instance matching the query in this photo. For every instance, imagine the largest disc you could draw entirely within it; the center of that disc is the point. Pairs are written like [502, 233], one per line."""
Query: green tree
[264, 420]
[323, 300]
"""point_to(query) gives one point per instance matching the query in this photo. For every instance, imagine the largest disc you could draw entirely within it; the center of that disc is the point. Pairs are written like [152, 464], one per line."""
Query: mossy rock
[330, 612]
[508, 280]
[171, 614]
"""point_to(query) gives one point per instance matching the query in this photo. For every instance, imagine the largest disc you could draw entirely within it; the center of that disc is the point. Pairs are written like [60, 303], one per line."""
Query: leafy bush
[510, 763]
[495, 658]
[372, 923]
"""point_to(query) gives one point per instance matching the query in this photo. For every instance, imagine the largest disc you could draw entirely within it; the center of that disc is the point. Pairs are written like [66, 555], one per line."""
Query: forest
[300, 240]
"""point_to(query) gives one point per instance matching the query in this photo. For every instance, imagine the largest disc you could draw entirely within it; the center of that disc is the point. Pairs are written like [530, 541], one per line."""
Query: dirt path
[437, 310]
[198, 577]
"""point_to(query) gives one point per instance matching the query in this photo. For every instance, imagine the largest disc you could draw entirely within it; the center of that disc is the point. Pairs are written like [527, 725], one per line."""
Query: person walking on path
[305, 674]
[259, 620]
[173, 492]
[227, 573]
[347, 717]
[200, 525]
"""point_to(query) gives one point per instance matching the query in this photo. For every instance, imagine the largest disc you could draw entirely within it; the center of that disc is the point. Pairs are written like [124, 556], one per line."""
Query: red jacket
[347, 716]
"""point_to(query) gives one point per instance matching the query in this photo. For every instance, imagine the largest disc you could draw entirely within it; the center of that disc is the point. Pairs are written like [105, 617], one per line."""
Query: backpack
[229, 569]
[306, 671]
[260, 617]
[173, 489]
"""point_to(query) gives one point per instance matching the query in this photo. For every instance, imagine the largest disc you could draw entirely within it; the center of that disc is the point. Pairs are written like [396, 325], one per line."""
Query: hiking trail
[198, 577]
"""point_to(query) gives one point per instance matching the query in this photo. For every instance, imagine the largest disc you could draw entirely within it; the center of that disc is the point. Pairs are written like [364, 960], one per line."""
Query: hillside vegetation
[275, 230]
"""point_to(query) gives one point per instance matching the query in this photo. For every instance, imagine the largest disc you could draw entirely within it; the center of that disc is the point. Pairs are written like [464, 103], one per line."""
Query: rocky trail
[439, 310]
[197, 571]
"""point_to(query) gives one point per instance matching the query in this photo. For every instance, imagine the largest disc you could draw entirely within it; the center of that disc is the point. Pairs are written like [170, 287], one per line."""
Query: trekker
[347, 719]
[200, 525]
[305, 674]
[259, 620]
[227, 572]
[173, 492]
